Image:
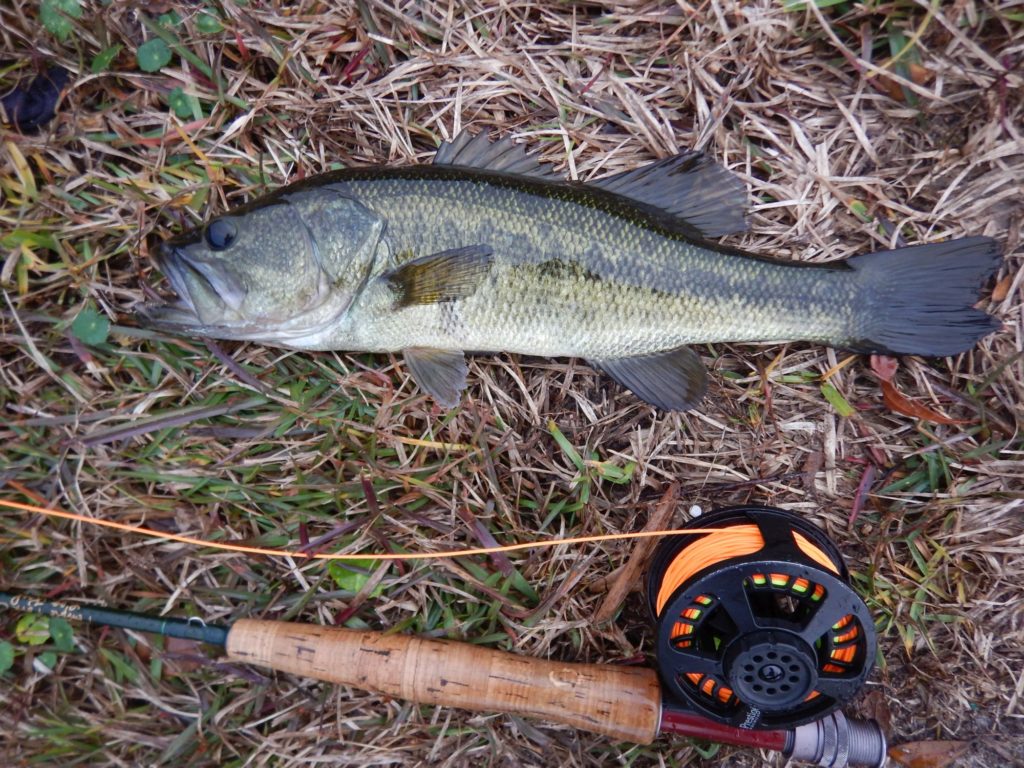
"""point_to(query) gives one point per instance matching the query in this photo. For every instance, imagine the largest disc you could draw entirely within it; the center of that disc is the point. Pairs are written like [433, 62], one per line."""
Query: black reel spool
[772, 639]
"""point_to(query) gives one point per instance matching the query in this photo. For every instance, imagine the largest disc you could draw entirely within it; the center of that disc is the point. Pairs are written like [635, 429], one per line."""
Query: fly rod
[624, 703]
[760, 641]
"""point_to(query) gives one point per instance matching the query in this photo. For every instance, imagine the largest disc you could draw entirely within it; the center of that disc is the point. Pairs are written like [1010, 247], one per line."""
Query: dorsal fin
[690, 186]
[469, 151]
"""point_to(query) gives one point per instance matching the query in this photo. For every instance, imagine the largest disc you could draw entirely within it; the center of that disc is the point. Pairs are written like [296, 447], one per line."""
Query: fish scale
[648, 291]
[487, 250]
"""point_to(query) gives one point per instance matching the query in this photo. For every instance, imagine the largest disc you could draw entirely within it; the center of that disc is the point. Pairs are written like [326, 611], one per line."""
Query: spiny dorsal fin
[469, 151]
[442, 276]
[690, 186]
[674, 381]
[439, 372]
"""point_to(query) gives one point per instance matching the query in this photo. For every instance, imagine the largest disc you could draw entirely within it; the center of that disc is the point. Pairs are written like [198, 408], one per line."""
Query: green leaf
[208, 24]
[523, 586]
[836, 400]
[153, 55]
[182, 746]
[860, 210]
[180, 103]
[170, 20]
[101, 61]
[63, 635]
[56, 16]
[48, 659]
[20, 237]
[6, 656]
[606, 470]
[91, 327]
[799, 5]
[32, 629]
[566, 446]
[707, 751]
[122, 669]
[353, 580]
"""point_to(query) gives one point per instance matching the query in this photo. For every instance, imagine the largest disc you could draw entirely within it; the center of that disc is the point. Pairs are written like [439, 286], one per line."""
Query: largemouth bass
[488, 250]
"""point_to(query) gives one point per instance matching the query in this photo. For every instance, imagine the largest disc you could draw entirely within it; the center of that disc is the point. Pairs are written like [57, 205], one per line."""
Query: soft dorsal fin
[690, 186]
[442, 276]
[469, 151]
[675, 380]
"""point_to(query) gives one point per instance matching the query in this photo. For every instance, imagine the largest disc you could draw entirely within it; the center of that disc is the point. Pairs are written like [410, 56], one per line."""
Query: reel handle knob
[621, 702]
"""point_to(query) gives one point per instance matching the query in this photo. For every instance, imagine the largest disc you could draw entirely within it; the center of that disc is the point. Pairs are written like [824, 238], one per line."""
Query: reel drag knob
[771, 670]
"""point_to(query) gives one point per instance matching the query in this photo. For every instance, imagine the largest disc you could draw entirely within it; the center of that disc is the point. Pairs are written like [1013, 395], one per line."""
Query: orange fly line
[725, 544]
[243, 548]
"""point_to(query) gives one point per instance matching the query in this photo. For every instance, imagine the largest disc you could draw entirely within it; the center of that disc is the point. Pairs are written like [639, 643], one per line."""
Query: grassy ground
[855, 126]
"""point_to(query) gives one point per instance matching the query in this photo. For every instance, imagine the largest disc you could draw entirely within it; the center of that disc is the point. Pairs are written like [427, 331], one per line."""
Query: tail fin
[920, 298]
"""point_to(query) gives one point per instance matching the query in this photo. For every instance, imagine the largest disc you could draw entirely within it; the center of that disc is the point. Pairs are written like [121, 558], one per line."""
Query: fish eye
[220, 234]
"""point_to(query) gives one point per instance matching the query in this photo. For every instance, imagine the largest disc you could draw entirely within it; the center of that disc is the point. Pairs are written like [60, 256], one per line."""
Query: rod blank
[187, 629]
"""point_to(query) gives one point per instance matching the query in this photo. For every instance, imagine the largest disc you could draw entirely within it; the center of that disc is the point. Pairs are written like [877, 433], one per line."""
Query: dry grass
[855, 126]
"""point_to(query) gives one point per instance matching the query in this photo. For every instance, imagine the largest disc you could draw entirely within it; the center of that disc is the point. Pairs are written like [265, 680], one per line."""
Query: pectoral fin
[440, 372]
[443, 276]
[674, 381]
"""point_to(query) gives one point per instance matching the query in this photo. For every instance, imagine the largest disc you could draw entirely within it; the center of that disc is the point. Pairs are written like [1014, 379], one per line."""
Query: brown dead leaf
[900, 403]
[863, 489]
[815, 461]
[875, 453]
[183, 656]
[916, 73]
[875, 707]
[921, 75]
[1002, 288]
[884, 367]
[928, 754]
[890, 87]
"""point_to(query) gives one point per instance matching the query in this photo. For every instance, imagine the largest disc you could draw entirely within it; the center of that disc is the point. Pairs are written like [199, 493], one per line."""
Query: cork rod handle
[621, 702]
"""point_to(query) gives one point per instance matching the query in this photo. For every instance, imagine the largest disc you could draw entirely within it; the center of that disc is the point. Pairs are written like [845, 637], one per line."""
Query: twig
[629, 574]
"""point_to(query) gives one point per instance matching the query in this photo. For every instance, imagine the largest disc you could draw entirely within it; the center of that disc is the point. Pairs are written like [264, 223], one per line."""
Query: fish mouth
[193, 288]
[180, 313]
[208, 303]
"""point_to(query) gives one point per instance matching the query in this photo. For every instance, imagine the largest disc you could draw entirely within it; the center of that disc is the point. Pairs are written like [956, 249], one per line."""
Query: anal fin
[675, 380]
[439, 372]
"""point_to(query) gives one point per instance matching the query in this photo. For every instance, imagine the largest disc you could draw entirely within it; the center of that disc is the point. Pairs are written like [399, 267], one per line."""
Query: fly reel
[757, 625]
